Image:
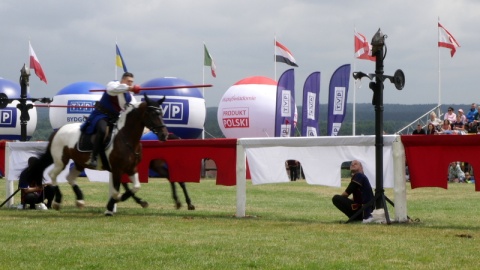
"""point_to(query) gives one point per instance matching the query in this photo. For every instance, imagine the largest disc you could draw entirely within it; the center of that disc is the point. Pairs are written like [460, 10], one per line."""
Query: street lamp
[398, 79]
[22, 105]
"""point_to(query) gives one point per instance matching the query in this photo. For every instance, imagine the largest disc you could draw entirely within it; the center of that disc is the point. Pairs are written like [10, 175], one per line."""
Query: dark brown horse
[121, 156]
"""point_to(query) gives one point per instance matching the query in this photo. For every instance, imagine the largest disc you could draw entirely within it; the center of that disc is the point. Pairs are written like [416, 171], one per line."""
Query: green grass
[289, 226]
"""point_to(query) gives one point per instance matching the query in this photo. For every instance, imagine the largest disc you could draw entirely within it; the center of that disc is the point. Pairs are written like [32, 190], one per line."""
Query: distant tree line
[395, 116]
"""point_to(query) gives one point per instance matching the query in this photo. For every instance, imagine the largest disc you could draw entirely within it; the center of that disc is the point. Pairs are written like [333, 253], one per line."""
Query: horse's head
[154, 118]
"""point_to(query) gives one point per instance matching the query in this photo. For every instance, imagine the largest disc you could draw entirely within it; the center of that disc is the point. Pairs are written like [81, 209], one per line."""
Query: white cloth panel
[320, 157]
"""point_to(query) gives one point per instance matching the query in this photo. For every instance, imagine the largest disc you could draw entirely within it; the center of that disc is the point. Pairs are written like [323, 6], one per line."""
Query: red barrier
[428, 157]
[184, 159]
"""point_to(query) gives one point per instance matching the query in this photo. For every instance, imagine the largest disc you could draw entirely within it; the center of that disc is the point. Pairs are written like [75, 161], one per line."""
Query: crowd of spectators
[453, 123]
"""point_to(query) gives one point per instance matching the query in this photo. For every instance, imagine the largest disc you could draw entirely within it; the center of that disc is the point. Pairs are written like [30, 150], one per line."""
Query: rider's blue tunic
[108, 104]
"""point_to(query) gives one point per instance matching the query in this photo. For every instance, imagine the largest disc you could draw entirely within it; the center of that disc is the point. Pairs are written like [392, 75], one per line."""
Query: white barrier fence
[321, 159]
[16, 158]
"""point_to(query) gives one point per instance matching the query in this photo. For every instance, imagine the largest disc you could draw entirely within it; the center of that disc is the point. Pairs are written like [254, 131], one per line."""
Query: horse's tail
[44, 160]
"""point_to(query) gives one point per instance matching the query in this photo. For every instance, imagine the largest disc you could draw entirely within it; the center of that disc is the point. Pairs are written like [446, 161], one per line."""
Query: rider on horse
[107, 110]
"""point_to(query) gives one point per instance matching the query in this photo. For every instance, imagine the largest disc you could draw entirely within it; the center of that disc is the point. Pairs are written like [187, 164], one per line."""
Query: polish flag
[363, 50]
[35, 64]
[446, 40]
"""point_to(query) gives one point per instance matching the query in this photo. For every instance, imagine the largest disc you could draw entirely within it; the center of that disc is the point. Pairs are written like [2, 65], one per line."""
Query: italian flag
[208, 61]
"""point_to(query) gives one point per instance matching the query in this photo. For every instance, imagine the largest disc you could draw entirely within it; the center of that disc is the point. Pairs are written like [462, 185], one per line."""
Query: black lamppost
[22, 106]
[398, 79]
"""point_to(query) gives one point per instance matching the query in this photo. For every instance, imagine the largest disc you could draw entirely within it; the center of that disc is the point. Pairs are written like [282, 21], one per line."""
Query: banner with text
[285, 104]
[310, 105]
[337, 99]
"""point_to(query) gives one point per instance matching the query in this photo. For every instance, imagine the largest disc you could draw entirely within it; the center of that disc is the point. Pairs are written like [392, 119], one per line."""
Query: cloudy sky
[75, 41]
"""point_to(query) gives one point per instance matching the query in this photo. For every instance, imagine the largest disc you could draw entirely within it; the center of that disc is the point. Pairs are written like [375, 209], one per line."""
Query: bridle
[155, 128]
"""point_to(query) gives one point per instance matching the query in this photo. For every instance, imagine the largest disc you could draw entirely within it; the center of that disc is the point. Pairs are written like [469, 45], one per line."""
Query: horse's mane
[122, 118]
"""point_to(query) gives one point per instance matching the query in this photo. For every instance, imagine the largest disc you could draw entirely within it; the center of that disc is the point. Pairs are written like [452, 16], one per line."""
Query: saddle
[85, 144]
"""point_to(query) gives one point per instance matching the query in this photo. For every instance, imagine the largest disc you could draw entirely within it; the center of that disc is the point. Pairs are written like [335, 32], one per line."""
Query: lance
[61, 106]
[163, 87]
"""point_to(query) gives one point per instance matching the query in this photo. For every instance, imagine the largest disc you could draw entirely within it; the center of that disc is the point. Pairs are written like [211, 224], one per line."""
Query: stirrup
[92, 163]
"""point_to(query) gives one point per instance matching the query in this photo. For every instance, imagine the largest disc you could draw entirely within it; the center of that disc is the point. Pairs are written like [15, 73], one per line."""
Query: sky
[75, 41]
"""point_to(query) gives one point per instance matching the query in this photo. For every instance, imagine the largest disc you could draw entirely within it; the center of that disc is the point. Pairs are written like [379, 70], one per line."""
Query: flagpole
[29, 46]
[354, 86]
[203, 88]
[274, 55]
[116, 71]
[439, 74]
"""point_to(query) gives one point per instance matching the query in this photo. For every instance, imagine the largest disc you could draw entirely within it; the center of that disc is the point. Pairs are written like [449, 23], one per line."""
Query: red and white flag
[446, 40]
[282, 54]
[363, 50]
[35, 64]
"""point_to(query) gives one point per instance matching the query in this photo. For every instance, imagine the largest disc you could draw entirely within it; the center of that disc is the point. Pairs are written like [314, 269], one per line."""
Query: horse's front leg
[72, 175]
[57, 168]
[136, 186]
[177, 202]
[187, 198]
[114, 190]
[137, 199]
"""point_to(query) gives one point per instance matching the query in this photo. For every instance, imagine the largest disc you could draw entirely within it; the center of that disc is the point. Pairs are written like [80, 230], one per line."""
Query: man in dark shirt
[293, 168]
[419, 130]
[362, 194]
[31, 193]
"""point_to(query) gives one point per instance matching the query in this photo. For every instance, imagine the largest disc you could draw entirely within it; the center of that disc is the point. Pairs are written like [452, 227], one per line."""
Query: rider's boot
[93, 158]
[93, 161]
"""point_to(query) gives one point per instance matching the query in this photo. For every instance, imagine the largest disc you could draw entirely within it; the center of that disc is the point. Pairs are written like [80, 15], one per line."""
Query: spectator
[32, 195]
[470, 128]
[459, 126]
[446, 128]
[455, 173]
[476, 119]
[472, 114]
[407, 172]
[463, 118]
[362, 194]
[469, 178]
[431, 130]
[450, 116]
[293, 168]
[434, 120]
[419, 130]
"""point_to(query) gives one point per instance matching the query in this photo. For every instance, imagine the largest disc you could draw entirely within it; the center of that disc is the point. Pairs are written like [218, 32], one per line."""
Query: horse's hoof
[191, 207]
[56, 206]
[144, 204]
[80, 204]
[108, 213]
[178, 205]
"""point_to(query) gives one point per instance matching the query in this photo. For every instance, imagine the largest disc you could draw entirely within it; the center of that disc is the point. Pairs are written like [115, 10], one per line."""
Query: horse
[121, 155]
[159, 166]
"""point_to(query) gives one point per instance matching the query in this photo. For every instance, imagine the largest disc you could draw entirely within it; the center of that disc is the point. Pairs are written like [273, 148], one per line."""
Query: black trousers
[101, 130]
[347, 206]
[293, 173]
[33, 198]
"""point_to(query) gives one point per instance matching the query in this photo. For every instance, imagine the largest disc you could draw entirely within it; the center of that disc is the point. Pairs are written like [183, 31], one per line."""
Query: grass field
[289, 226]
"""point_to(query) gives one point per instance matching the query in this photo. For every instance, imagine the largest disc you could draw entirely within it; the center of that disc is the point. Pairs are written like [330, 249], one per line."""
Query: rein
[154, 128]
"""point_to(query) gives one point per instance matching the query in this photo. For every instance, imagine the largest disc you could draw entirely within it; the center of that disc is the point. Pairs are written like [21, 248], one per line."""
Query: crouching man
[362, 192]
